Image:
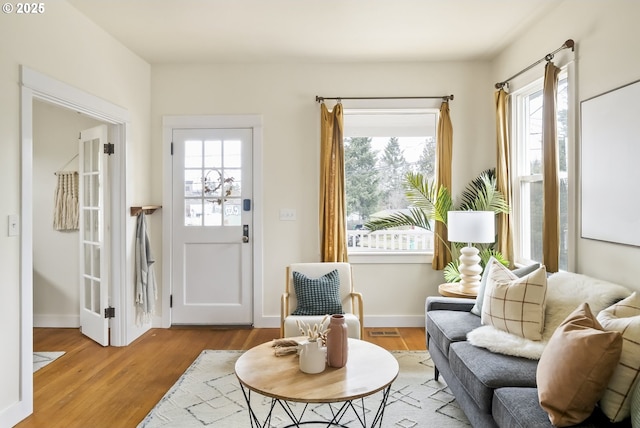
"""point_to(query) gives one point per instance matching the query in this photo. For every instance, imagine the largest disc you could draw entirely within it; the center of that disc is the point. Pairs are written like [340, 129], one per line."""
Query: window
[381, 146]
[527, 172]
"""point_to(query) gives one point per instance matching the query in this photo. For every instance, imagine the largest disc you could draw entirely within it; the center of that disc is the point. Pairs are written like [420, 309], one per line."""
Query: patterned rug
[208, 394]
[41, 359]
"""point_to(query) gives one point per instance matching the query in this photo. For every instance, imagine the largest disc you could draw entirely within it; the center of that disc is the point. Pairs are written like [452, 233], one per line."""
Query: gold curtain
[551, 214]
[444, 151]
[333, 228]
[503, 177]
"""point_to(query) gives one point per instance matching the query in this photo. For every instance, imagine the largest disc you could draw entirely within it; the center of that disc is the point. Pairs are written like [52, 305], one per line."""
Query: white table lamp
[470, 227]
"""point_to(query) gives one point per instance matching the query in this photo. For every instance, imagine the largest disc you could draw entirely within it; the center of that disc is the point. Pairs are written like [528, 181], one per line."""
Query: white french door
[94, 272]
[212, 227]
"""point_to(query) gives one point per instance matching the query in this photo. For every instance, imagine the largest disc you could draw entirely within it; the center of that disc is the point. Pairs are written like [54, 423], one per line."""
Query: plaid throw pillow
[317, 296]
[515, 305]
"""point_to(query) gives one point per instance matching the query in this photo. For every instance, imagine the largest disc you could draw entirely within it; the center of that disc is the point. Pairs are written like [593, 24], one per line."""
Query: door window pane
[233, 154]
[192, 154]
[232, 212]
[213, 154]
[213, 182]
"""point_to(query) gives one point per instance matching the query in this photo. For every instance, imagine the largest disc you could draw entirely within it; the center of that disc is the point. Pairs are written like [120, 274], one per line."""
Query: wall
[63, 44]
[55, 253]
[284, 94]
[605, 34]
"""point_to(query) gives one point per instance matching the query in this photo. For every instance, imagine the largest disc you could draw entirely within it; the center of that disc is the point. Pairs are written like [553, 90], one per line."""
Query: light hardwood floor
[92, 387]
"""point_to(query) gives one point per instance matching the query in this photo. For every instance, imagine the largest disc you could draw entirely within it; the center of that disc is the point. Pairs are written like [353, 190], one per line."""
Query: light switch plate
[14, 225]
[287, 214]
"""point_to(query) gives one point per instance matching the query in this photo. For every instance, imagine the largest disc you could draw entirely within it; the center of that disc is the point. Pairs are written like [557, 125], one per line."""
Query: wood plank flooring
[93, 387]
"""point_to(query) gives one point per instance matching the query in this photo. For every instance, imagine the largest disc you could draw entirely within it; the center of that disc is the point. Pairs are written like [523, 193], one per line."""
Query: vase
[313, 357]
[337, 342]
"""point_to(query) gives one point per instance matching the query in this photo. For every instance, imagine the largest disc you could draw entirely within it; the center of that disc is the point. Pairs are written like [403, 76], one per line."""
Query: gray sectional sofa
[493, 390]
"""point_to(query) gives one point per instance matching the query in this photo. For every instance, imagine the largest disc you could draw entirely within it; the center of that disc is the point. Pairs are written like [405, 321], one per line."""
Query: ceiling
[277, 31]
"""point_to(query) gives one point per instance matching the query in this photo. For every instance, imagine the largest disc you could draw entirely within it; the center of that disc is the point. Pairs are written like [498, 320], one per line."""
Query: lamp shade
[471, 226]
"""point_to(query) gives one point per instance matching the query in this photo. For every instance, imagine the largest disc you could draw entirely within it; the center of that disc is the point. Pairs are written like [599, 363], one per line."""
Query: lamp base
[470, 270]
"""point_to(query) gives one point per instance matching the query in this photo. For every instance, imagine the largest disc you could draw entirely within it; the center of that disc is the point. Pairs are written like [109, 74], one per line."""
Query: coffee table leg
[377, 420]
[253, 418]
[337, 415]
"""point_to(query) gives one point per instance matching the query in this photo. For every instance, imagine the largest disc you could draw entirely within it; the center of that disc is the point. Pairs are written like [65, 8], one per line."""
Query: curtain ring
[549, 57]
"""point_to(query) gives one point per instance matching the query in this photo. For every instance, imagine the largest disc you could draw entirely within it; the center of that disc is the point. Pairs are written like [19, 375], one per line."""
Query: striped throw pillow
[623, 317]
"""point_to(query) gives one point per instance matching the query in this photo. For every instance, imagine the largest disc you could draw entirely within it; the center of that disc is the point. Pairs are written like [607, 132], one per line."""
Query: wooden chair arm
[356, 301]
[284, 311]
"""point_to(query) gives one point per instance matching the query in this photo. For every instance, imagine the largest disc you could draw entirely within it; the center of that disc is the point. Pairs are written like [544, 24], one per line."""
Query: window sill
[390, 258]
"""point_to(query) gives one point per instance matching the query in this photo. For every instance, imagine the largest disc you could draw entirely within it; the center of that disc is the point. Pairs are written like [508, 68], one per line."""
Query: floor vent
[384, 333]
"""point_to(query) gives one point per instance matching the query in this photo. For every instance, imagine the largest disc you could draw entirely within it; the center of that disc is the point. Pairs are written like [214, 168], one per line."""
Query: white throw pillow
[624, 317]
[477, 308]
[515, 305]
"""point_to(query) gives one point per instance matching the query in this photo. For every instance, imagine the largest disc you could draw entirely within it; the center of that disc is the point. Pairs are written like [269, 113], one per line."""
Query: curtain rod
[548, 57]
[444, 98]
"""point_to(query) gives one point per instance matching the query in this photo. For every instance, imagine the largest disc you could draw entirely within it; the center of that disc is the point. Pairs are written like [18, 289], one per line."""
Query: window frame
[521, 223]
[391, 256]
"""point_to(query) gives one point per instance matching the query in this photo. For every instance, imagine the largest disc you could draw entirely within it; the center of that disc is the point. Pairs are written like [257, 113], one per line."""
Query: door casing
[169, 123]
[38, 86]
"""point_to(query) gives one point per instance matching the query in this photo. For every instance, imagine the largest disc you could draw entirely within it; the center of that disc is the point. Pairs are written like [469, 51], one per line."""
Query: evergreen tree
[426, 164]
[393, 168]
[361, 178]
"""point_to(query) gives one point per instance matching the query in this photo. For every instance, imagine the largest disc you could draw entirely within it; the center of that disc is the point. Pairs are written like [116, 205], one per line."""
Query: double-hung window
[381, 146]
[527, 204]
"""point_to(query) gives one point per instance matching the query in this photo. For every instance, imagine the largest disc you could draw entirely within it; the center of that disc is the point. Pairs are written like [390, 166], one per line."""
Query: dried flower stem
[315, 333]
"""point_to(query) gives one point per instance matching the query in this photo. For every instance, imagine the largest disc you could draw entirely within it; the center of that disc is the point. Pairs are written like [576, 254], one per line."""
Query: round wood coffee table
[369, 369]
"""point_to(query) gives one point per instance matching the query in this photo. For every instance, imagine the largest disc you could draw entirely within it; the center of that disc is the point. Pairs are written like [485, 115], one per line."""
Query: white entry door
[94, 278]
[212, 227]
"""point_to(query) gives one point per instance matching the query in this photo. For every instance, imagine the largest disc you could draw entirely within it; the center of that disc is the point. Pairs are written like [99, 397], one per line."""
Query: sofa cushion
[445, 327]
[482, 371]
[623, 317]
[515, 305]
[575, 367]
[519, 408]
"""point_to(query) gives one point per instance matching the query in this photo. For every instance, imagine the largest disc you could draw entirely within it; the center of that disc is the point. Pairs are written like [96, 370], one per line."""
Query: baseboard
[393, 321]
[369, 321]
[56, 321]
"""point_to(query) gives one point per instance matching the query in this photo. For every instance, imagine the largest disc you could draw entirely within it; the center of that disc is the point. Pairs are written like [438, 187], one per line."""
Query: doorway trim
[38, 86]
[169, 123]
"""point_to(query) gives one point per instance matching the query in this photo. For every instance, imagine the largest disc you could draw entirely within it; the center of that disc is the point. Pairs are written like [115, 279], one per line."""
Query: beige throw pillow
[515, 305]
[575, 367]
[624, 317]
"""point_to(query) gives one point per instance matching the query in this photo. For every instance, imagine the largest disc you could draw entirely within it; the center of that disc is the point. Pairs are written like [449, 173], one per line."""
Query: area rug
[41, 359]
[208, 394]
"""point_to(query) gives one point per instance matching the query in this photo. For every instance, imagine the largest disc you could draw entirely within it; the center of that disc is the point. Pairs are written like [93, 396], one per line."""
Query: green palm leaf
[429, 204]
[416, 217]
[481, 194]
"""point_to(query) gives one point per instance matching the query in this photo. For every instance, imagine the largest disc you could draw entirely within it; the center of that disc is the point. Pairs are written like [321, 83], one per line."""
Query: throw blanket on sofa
[565, 291]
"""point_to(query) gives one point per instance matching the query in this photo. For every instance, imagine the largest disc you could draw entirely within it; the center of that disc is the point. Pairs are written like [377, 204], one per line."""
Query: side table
[453, 289]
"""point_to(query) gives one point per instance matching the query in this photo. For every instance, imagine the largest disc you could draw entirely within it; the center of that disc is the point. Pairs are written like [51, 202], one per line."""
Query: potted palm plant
[429, 205]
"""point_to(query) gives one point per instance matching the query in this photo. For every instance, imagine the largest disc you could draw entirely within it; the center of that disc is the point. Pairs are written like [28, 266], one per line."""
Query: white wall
[606, 34]
[63, 44]
[284, 94]
[55, 253]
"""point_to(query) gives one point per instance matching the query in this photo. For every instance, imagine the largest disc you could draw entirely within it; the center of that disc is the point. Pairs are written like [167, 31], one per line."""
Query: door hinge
[109, 149]
[172, 148]
[110, 312]
[171, 300]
